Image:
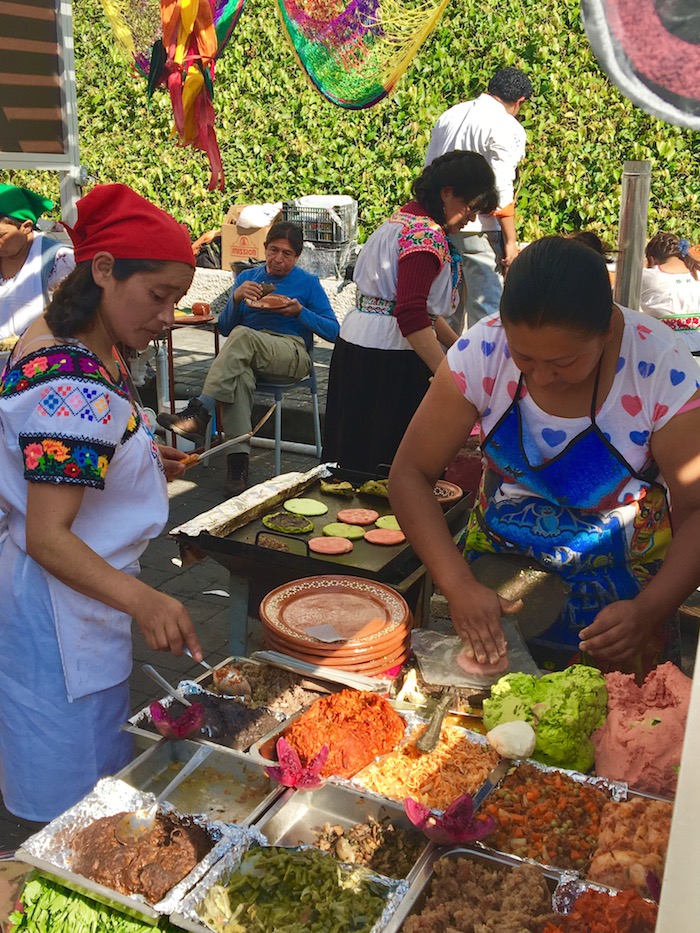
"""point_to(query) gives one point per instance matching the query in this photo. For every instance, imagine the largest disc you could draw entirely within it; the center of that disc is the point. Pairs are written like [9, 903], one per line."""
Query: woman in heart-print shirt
[589, 429]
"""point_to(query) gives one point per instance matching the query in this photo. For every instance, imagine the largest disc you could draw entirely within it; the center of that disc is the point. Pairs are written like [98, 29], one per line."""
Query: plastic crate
[330, 226]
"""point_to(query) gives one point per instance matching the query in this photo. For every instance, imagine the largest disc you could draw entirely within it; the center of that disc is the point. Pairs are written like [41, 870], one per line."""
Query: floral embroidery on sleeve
[80, 461]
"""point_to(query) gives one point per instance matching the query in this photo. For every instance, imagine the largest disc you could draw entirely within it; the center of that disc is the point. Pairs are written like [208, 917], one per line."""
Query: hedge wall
[281, 139]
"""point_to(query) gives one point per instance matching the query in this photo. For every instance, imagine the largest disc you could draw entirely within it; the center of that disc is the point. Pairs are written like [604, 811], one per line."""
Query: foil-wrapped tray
[187, 917]
[569, 889]
[49, 850]
[228, 786]
[415, 899]
[141, 724]
[297, 817]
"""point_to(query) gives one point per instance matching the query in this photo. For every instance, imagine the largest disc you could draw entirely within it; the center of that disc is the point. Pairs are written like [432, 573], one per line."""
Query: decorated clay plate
[268, 302]
[360, 611]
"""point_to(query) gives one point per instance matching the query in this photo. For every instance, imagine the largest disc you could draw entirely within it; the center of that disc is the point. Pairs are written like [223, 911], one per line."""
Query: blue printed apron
[580, 520]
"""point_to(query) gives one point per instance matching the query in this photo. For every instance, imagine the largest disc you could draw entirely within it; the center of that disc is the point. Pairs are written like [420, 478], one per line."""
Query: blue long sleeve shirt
[317, 315]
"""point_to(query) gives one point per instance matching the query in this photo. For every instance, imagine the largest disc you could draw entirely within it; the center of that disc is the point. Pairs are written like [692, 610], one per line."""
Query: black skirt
[372, 396]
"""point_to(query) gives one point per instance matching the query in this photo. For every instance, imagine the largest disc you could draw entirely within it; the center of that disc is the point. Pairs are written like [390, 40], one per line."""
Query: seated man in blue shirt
[261, 342]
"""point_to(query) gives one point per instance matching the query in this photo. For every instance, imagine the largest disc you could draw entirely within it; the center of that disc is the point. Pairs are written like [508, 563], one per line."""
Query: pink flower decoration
[457, 824]
[187, 723]
[32, 455]
[291, 773]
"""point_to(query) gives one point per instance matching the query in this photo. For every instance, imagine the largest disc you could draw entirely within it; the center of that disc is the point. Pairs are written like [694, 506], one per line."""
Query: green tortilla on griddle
[287, 524]
[375, 487]
[342, 530]
[306, 507]
[337, 489]
[388, 521]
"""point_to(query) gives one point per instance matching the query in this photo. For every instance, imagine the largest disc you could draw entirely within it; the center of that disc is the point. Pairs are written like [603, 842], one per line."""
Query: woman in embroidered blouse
[583, 408]
[671, 287]
[408, 280]
[82, 491]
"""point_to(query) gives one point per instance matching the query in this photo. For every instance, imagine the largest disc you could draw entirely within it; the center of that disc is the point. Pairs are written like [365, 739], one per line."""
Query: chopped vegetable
[276, 890]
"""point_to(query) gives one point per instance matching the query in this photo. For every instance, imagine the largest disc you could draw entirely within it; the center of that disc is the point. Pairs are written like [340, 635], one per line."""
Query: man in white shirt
[487, 125]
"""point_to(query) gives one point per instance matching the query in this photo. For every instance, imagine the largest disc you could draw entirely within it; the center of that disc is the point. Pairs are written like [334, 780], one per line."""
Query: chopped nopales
[457, 824]
[179, 727]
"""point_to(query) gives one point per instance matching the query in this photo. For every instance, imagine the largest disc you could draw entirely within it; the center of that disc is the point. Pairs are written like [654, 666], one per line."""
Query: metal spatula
[133, 827]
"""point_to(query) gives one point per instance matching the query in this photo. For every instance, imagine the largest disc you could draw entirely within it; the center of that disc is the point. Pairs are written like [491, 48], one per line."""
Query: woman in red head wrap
[82, 492]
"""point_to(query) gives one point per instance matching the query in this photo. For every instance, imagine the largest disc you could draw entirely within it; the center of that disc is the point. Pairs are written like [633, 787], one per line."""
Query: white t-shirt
[22, 296]
[484, 126]
[656, 376]
[674, 298]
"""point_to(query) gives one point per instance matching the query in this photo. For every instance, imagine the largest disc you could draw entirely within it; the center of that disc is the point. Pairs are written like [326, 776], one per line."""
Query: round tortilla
[287, 524]
[305, 507]
[385, 536]
[388, 521]
[330, 545]
[358, 516]
[472, 666]
[341, 530]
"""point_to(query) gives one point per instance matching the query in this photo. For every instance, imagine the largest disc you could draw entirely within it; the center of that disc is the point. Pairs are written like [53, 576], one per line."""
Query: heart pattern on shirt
[632, 404]
[488, 383]
[487, 347]
[620, 364]
[463, 343]
[643, 330]
[677, 376]
[460, 381]
[513, 388]
[645, 369]
[659, 411]
[553, 438]
[639, 437]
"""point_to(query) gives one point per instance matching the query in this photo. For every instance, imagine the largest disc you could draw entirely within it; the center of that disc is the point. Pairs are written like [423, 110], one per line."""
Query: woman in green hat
[31, 263]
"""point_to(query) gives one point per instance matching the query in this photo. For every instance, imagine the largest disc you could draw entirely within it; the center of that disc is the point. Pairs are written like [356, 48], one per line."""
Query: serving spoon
[133, 827]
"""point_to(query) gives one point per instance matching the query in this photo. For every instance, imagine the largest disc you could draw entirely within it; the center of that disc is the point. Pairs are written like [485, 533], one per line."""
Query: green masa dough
[305, 507]
[341, 530]
[287, 524]
[388, 521]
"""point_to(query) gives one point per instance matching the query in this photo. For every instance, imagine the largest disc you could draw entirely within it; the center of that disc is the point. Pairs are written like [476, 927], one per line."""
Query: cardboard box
[238, 243]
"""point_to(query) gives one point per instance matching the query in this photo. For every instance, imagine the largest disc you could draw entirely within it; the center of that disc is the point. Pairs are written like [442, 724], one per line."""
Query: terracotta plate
[360, 610]
[269, 302]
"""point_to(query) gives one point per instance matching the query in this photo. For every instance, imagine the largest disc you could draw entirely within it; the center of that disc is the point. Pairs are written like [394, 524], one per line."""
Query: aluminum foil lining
[185, 689]
[396, 890]
[572, 887]
[111, 796]
[231, 514]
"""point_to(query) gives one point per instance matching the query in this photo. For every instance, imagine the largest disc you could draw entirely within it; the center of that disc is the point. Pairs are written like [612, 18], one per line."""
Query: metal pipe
[290, 447]
[634, 212]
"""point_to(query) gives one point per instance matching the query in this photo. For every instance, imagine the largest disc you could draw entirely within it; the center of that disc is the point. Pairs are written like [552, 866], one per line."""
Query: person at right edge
[488, 245]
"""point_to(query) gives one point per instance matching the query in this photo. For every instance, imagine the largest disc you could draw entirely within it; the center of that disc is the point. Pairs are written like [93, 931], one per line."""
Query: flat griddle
[384, 564]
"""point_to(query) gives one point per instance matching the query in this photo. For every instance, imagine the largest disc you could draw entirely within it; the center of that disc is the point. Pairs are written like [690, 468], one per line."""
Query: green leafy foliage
[280, 139]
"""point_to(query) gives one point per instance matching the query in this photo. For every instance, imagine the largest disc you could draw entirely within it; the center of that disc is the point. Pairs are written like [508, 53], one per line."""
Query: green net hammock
[354, 53]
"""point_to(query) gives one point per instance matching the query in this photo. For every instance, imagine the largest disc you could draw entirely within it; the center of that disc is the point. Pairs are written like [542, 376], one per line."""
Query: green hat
[22, 204]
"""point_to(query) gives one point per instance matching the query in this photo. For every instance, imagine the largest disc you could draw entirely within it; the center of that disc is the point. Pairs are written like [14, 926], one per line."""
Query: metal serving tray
[187, 918]
[417, 895]
[296, 817]
[227, 786]
[49, 850]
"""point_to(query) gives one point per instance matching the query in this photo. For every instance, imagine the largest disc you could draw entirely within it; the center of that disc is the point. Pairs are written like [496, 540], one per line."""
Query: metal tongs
[194, 459]
[133, 827]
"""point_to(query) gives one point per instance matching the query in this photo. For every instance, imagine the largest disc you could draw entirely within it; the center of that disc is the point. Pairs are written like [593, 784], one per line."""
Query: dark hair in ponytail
[664, 246]
[75, 302]
[467, 173]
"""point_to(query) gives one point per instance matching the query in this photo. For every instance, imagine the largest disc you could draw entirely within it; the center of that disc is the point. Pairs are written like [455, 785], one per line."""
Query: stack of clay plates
[349, 623]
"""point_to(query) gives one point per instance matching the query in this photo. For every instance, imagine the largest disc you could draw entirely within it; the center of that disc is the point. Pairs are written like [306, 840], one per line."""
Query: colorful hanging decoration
[174, 44]
[650, 49]
[354, 53]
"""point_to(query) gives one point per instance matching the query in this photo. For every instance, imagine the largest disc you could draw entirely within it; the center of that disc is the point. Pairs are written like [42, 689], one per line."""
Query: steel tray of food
[81, 845]
[355, 828]
[461, 879]
[270, 885]
[585, 906]
[227, 787]
[228, 724]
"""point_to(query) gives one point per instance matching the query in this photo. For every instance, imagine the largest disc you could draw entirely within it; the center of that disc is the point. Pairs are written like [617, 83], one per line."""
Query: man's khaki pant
[245, 355]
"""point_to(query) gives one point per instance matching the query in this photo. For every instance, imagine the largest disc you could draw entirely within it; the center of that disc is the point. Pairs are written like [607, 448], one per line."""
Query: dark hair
[664, 246]
[510, 84]
[4, 219]
[285, 230]
[467, 173]
[74, 303]
[560, 282]
[593, 241]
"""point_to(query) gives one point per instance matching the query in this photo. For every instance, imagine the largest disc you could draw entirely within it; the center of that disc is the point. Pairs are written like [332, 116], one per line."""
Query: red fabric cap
[116, 220]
